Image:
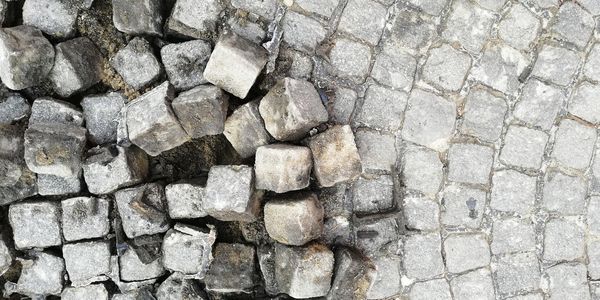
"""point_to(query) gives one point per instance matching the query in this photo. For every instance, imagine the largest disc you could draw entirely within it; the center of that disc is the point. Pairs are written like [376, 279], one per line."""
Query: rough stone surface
[35, 224]
[500, 68]
[446, 68]
[93, 291]
[101, 116]
[13, 108]
[86, 261]
[395, 68]
[421, 213]
[49, 185]
[468, 25]
[77, 66]
[421, 170]
[470, 163]
[463, 206]
[573, 24]
[137, 64]
[512, 235]
[523, 147]
[185, 199]
[519, 28]
[593, 61]
[42, 274]
[432, 289]
[513, 192]
[517, 273]
[423, 256]
[282, 168]
[335, 156]
[350, 59]
[231, 194]
[294, 219]
[112, 167]
[142, 209]
[473, 285]
[574, 144]
[373, 194]
[201, 110]
[583, 103]
[85, 218]
[185, 62]
[178, 287]
[377, 151]
[232, 270]
[382, 108]
[245, 130]
[54, 17]
[363, 19]
[142, 17]
[556, 65]
[386, 281]
[194, 21]
[539, 104]
[563, 240]
[567, 281]
[564, 194]
[353, 275]
[301, 32]
[465, 252]
[49, 110]
[483, 115]
[188, 250]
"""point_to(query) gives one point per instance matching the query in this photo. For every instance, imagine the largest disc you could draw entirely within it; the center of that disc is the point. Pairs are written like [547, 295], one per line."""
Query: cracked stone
[136, 63]
[294, 219]
[77, 66]
[423, 256]
[138, 18]
[188, 250]
[35, 224]
[470, 163]
[539, 104]
[512, 235]
[195, 21]
[142, 209]
[382, 108]
[112, 167]
[363, 19]
[469, 25]
[373, 194]
[201, 110]
[101, 116]
[500, 68]
[563, 240]
[446, 68]
[574, 144]
[465, 252]
[513, 192]
[85, 218]
[245, 130]
[523, 147]
[185, 199]
[282, 168]
[335, 156]
[557, 65]
[564, 194]
[87, 261]
[185, 63]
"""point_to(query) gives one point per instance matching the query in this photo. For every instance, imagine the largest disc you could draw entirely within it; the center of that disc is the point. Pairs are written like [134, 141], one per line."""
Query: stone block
[87, 261]
[469, 25]
[245, 130]
[13, 108]
[232, 270]
[421, 213]
[132, 268]
[49, 185]
[302, 33]
[350, 60]
[265, 9]
[464, 206]
[93, 291]
[85, 218]
[111, 167]
[185, 199]
[564, 194]
[523, 147]
[282, 168]
[512, 235]
[54, 17]
[51, 111]
[483, 115]
[539, 104]
[592, 247]
[294, 219]
[291, 109]
[77, 66]
[19, 182]
[519, 28]
[432, 289]
[42, 274]
[422, 170]
[195, 21]
[35, 224]
[177, 286]
[202, 110]
[17, 45]
[573, 24]
[377, 236]
[410, 29]
[446, 68]
[185, 62]
[556, 65]
[395, 68]
[513, 192]
[583, 102]
[386, 282]
[593, 216]
[101, 114]
[151, 122]
[382, 109]
[470, 163]
[353, 275]
[234, 64]
[364, 19]
[567, 281]
[590, 69]
[7, 253]
[430, 7]
[337, 230]
[464, 252]
[574, 144]
[140, 17]
[188, 250]
[563, 240]
[517, 272]
[423, 256]
[373, 194]
[500, 68]
[473, 285]
[335, 156]
[343, 106]
[142, 209]
[136, 63]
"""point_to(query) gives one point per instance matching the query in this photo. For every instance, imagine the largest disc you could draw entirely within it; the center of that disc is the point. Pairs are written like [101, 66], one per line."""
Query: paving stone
[592, 64]
[291, 109]
[87, 261]
[337, 230]
[462, 206]
[201, 110]
[564, 194]
[563, 240]
[143, 17]
[565, 281]
[301, 32]
[6, 253]
[245, 130]
[395, 68]
[353, 275]
[494, 5]
[517, 273]
[573, 24]
[382, 108]
[343, 106]
[93, 291]
[446, 68]
[187, 249]
[19, 44]
[302, 65]
[13, 108]
[377, 151]
[421, 213]
[185, 199]
[386, 282]
[593, 6]
[429, 120]
[251, 31]
[35, 224]
[177, 286]
[112, 167]
[432, 289]
[470, 163]
[294, 219]
[335, 156]
[483, 115]
[535, 296]
[473, 285]
[321, 8]
[265, 9]
[523, 147]
[592, 248]
[54, 17]
[539, 104]
[512, 235]
[409, 28]
[583, 103]
[42, 274]
[282, 168]
[519, 28]
[77, 66]
[142, 209]
[557, 65]
[101, 115]
[373, 194]
[513, 192]
[422, 170]
[593, 216]
[430, 7]
[234, 64]
[85, 218]
[159, 130]
[465, 252]
[136, 63]
[350, 59]
[363, 19]
[49, 185]
[185, 63]
[230, 193]
[49, 110]
[18, 181]
[574, 144]
[374, 236]
[191, 20]
[423, 256]
[500, 68]
[232, 270]
[468, 25]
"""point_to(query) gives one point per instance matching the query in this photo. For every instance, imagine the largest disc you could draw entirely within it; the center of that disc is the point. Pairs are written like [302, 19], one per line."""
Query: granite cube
[132, 268]
[364, 19]
[294, 219]
[574, 144]
[483, 115]
[352, 273]
[557, 65]
[35, 224]
[350, 60]
[87, 261]
[245, 130]
[539, 104]
[185, 62]
[512, 235]
[381, 109]
[49, 185]
[446, 68]
[302, 32]
[421, 170]
[421, 213]
[142, 209]
[372, 194]
[201, 110]
[423, 256]
[465, 252]
[517, 272]
[583, 103]
[111, 167]
[282, 168]
[476, 284]
[432, 289]
[463, 206]
[50, 111]
[188, 250]
[13, 108]
[92, 291]
[54, 17]
[386, 282]
[136, 63]
[470, 163]
[519, 28]
[77, 66]
[564, 281]
[564, 194]
[500, 68]
[377, 151]
[232, 270]
[469, 25]
[139, 17]
[335, 156]
[101, 114]
[374, 236]
[395, 68]
[42, 274]
[523, 147]
[189, 19]
[185, 199]
[513, 192]
[85, 218]
[177, 286]
[564, 240]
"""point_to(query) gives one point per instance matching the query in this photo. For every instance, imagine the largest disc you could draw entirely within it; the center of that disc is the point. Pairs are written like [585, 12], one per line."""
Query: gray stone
[350, 59]
[583, 103]
[500, 68]
[196, 21]
[6, 254]
[446, 68]
[519, 28]
[573, 24]
[377, 151]
[112, 167]
[231, 195]
[245, 130]
[93, 291]
[468, 25]
[101, 116]
[353, 275]
[151, 122]
[335, 156]
[301, 32]
[386, 282]
[177, 287]
[201, 110]
[421, 170]
[322, 8]
[18, 181]
[85, 218]
[593, 216]
[343, 106]
[519, 272]
[430, 7]
[377, 236]
[523, 147]
[337, 230]
[49, 110]
[185, 199]
[593, 63]
[141, 17]
[473, 285]
[557, 65]
[470, 163]
[251, 31]
[185, 63]
[564, 194]
[234, 64]
[395, 68]
[574, 144]
[539, 104]
[140, 287]
[410, 28]
[282, 168]
[512, 235]
[483, 115]
[563, 240]
[464, 252]
[291, 109]
[382, 109]
[232, 270]
[494, 5]
[142, 209]
[462, 206]
[49, 185]
[429, 120]
[42, 274]
[35, 224]
[373, 194]
[265, 9]
[592, 247]
[77, 66]
[136, 63]
[294, 219]
[513, 192]
[564, 281]
[421, 213]
[423, 256]
[54, 17]
[26, 57]
[432, 289]
[13, 108]
[302, 65]
[187, 249]
[363, 19]
[593, 6]
[87, 261]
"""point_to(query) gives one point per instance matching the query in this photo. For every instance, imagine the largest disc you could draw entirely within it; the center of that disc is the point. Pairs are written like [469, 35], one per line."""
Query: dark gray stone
[232, 270]
[202, 110]
[136, 63]
[142, 209]
[77, 66]
[139, 17]
[185, 63]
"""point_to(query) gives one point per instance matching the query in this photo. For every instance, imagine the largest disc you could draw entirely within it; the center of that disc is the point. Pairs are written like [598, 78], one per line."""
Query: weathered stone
[395, 68]
[6, 253]
[301, 32]
[265, 9]
[35, 224]
[363, 19]
[500, 68]
[513, 192]
[196, 21]
[185, 199]
[282, 168]
[523, 147]
[353, 275]
[557, 65]
[201, 110]
[373, 194]
[87, 261]
[573, 24]
[591, 67]
[432, 289]
[77, 66]
[386, 282]
[101, 116]
[423, 256]
[564, 281]
[132, 268]
[409, 28]
[136, 63]
[141, 17]
[93, 291]
[142, 209]
[519, 28]
[446, 68]
[463, 206]
[421, 213]
[18, 181]
[234, 64]
[430, 7]
[517, 273]
[302, 65]
[230, 193]
[187, 249]
[335, 156]
[564, 194]
[470, 163]
[54, 17]
[343, 106]
[151, 122]
[13, 108]
[421, 169]
[465, 252]
[232, 270]
[26, 57]
[245, 130]
[112, 167]
[350, 59]
[42, 274]
[382, 109]
[337, 230]
[592, 247]
[377, 236]
[185, 62]
[177, 287]
[539, 104]
[55, 185]
[139, 287]
[469, 25]
[473, 285]
[512, 235]
[322, 8]
[593, 216]
[574, 144]
[85, 218]
[294, 219]
[584, 104]
[563, 240]
[51, 111]
[483, 115]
